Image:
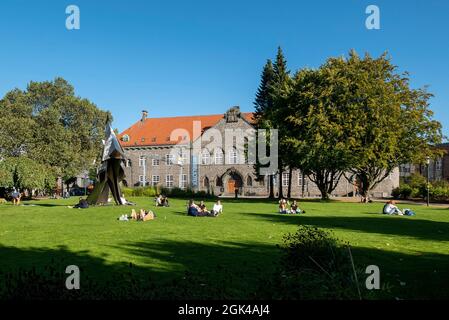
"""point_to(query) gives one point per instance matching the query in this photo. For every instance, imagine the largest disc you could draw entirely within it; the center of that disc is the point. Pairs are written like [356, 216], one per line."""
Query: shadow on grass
[193, 270]
[393, 225]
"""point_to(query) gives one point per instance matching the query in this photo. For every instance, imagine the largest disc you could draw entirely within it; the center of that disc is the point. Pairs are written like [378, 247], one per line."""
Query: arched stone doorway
[232, 179]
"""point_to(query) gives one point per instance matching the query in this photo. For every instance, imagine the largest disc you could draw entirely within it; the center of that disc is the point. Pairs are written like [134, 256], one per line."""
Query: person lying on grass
[82, 204]
[198, 211]
[143, 215]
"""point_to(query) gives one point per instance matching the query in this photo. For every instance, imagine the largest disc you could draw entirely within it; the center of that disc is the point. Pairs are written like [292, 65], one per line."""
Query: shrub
[139, 192]
[315, 265]
[405, 191]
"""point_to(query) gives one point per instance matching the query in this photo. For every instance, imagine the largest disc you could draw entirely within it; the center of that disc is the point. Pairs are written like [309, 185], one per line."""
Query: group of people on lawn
[284, 205]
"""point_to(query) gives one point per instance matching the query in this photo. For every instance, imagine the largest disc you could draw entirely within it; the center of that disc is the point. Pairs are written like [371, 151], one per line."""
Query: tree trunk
[270, 181]
[281, 191]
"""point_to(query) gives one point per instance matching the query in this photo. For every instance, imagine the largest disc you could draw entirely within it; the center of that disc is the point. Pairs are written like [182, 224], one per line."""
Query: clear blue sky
[201, 57]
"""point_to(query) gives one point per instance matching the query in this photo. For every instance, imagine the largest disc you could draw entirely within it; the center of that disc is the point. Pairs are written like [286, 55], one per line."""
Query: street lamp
[85, 183]
[428, 184]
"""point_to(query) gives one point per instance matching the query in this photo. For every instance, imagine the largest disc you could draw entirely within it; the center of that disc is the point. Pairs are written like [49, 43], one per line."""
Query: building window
[125, 138]
[142, 180]
[233, 156]
[405, 168]
[182, 156]
[169, 159]
[285, 177]
[142, 161]
[205, 157]
[169, 181]
[300, 179]
[438, 164]
[155, 162]
[218, 156]
[128, 163]
[183, 183]
[249, 181]
[155, 180]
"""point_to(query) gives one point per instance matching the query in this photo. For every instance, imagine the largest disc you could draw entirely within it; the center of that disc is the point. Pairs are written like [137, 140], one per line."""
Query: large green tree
[316, 132]
[263, 105]
[24, 173]
[49, 124]
[388, 122]
[356, 115]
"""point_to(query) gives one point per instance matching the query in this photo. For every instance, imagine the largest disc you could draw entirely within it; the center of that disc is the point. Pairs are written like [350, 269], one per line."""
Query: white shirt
[218, 208]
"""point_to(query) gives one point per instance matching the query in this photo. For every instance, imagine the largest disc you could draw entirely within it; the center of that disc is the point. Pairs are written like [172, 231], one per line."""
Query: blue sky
[201, 57]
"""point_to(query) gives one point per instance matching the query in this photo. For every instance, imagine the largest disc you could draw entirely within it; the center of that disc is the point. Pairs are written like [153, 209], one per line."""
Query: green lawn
[237, 249]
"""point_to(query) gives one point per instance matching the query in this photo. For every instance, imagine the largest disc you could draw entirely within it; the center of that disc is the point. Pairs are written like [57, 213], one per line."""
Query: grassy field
[237, 249]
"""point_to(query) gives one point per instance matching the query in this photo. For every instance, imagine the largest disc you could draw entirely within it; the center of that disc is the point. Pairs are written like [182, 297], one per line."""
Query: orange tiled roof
[156, 131]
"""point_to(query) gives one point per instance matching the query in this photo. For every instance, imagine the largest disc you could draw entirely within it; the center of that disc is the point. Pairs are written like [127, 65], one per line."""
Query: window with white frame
[183, 181]
[125, 138]
[218, 156]
[142, 180]
[155, 180]
[233, 156]
[300, 179]
[182, 156]
[155, 162]
[169, 181]
[285, 177]
[141, 161]
[169, 159]
[128, 163]
[205, 157]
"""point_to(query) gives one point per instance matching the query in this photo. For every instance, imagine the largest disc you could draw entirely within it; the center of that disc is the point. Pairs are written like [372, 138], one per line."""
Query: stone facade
[438, 168]
[219, 171]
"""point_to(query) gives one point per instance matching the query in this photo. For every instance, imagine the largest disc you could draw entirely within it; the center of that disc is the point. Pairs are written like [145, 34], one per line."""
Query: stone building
[438, 168]
[160, 151]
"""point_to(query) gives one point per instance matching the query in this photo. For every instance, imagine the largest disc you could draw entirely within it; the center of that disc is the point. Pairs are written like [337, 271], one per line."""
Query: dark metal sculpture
[111, 172]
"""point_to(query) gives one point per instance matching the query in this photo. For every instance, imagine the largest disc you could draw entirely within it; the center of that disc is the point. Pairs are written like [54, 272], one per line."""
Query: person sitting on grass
[82, 204]
[16, 196]
[126, 202]
[192, 208]
[283, 206]
[162, 201]
[294, 209]
[217, 209]
[203, 207]
[198, 211]
[165, 201]
[158, 201]
[391, 208]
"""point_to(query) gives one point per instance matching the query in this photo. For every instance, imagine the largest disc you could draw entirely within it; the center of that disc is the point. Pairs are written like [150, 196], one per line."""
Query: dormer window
[125, 138]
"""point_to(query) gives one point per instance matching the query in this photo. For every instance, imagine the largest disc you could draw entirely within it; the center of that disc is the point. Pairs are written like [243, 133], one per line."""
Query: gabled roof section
[156, 131]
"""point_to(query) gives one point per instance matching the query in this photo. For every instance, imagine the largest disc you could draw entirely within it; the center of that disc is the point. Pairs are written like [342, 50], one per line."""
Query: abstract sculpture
[111, 172]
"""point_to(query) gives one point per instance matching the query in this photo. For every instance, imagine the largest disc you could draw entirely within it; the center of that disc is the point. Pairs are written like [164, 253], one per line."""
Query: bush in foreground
[315, 265]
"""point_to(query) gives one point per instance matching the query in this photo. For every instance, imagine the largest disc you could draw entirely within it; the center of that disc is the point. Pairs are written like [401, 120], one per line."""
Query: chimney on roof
[144, 115]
